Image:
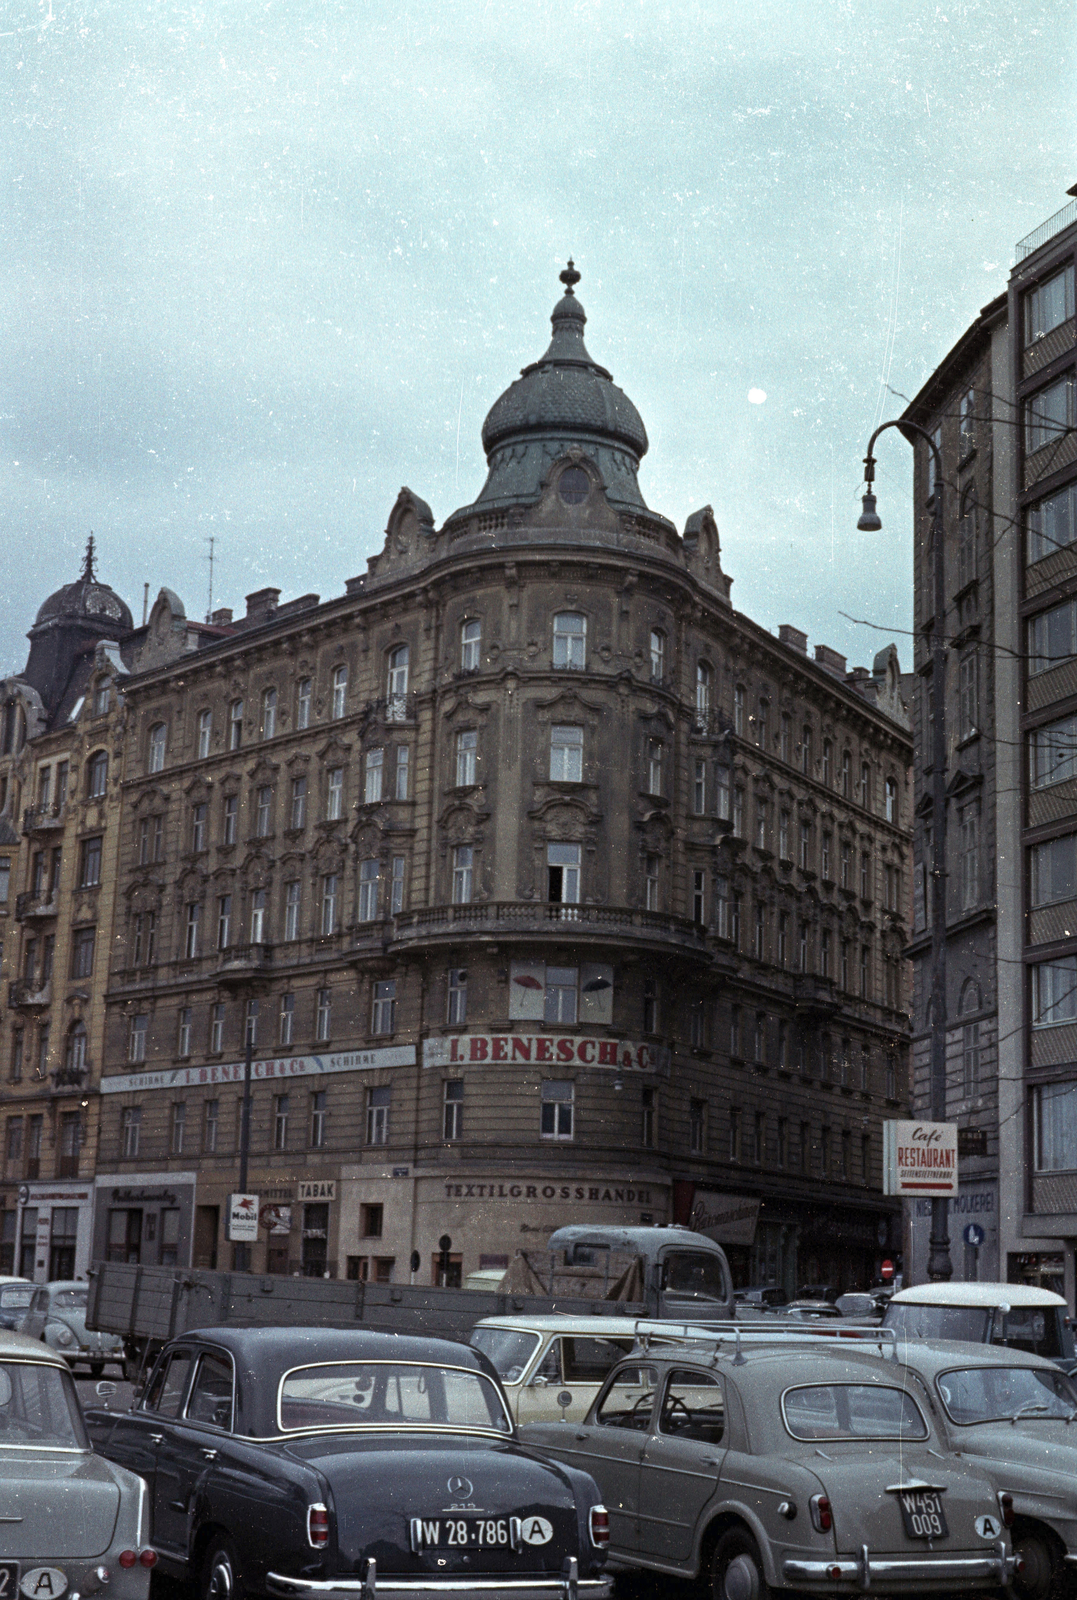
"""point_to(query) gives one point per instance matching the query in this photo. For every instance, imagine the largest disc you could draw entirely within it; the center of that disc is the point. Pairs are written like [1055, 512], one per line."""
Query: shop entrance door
[62, 1240]
[207, 1222]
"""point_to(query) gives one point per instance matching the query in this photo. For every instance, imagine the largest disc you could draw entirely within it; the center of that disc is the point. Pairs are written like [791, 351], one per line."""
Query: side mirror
[105, 1390]
[539, 1381]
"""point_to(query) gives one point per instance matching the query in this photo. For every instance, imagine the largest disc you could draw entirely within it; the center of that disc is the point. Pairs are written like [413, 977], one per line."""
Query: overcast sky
[262, 264]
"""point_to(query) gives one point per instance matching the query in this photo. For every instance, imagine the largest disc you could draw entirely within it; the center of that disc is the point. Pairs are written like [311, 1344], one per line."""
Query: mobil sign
[920, 1158]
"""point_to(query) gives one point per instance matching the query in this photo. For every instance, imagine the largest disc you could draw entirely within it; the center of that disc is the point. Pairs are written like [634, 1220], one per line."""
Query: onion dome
[88, 601]
[563, 402]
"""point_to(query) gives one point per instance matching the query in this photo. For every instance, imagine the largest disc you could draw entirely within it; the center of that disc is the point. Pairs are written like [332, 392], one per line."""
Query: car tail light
[600, 1527]
[148, 1558]
[127, 1558]
[318, 1526]
[1005, 1505]
[822, 1518]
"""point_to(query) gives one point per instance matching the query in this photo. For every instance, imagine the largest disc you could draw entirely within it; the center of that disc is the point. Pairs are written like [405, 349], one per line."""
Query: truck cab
[676, 1272]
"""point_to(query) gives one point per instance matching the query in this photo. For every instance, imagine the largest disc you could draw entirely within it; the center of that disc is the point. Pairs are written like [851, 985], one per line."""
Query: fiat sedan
[308, 1463]
[785, 1468]
[70, 1522]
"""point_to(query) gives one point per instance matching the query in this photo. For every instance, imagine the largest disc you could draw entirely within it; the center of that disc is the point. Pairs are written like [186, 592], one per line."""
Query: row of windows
[255, 1018]
[303, 1121]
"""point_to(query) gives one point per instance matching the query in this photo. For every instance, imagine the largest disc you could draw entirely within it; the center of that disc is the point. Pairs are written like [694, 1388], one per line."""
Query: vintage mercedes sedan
[307, 1462]
[781, 1467]
[70, 1523]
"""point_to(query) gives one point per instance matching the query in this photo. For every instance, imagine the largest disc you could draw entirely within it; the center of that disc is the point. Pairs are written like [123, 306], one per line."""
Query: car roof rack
[762, 1334]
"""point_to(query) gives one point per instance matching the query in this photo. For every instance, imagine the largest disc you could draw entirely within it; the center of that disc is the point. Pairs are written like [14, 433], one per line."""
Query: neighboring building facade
[61, 752]
[1004, 400]
[550, 888]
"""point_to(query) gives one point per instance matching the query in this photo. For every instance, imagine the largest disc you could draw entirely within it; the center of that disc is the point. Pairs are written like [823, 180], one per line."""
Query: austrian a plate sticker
[43, 1583]
[536, 1530]
[988, 1527]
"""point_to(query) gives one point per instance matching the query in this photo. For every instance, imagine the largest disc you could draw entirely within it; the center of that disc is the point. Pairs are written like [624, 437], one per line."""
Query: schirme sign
[920, 1158]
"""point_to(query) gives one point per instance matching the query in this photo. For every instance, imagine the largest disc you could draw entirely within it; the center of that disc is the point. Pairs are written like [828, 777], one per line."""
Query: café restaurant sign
[920, 1158]
[545, 1049]
[401, 1055]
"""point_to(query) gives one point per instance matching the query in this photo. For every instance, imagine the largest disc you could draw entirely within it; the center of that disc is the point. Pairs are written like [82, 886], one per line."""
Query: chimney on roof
[830, 660]
[262, 604]
[793, 637]
[222, 616]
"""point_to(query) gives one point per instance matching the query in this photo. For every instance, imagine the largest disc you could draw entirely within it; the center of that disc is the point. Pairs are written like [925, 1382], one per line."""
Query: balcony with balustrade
[498, 920]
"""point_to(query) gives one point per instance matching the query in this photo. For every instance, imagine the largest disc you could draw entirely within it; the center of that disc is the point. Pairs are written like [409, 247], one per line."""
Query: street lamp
[939, 1266]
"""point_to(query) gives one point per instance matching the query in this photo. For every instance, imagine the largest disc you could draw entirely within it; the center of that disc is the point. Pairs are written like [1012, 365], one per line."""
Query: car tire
[96, 1368]
[737, 1568]
[221, 1577]
[1042, 1573]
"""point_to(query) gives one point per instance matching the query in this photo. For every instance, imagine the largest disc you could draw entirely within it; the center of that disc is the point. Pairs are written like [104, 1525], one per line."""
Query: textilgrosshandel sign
[920, 1158]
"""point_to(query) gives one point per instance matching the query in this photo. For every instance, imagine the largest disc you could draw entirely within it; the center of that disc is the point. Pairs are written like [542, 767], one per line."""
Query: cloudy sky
[264, 263]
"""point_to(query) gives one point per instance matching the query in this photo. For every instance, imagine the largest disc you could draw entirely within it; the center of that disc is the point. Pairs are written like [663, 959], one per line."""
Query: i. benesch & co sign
[567, 1050]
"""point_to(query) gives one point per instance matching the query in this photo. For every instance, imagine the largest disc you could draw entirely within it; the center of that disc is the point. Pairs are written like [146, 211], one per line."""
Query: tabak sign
[920, 1158]
[520, 1049]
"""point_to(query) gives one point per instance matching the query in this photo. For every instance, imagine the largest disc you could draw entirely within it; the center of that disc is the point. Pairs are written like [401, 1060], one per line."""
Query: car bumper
[567, 1586]
[931, 1572]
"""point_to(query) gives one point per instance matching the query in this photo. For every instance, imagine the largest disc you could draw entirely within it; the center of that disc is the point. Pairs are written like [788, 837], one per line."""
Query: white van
[986, 1313]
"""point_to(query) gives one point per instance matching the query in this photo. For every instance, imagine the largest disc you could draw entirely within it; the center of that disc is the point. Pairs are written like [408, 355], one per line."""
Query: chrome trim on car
[998, 1566]
[564, 1586]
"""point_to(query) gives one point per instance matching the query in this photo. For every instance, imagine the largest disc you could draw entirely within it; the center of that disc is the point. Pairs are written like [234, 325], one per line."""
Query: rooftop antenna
[210, 540]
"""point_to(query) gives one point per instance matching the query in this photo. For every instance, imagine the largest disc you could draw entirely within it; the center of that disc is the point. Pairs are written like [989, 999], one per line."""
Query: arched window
[97, 774]
[470, 644]
[269, 713]
[971, 998]
[891, 799]
[157, 747]
[570, 641]
[340, 690]
[396, 690]
[658, 655]
[704, 686]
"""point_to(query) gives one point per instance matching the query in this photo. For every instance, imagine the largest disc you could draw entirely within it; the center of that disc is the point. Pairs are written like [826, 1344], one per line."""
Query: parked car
[756, 1301]
[306, 1462]
[541, 1360]
[68, 1514]
[57, 1315]
[784, 1467]
[1013, 1314]
[15, 1297]
[1014, 1415]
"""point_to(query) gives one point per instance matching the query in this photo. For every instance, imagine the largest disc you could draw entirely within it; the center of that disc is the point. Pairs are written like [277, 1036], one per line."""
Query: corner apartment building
[1002, 407]
[547, 886]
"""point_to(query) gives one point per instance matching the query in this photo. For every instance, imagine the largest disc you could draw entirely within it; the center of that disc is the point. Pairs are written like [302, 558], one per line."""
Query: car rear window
[992, 1394]
[852, 1411]
[508, 1349]
[358, 1394]
[70, 1300]
[38, 1408]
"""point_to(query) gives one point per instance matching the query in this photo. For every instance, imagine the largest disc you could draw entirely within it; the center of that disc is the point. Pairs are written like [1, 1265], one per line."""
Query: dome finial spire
[87, 565]
[570, 277]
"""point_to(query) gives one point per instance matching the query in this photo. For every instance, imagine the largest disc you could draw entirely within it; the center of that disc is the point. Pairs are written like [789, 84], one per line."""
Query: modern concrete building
[549, 887]
[1002, 407]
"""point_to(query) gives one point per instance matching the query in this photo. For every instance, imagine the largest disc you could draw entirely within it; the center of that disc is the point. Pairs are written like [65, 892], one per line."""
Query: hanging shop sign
[920, 1158]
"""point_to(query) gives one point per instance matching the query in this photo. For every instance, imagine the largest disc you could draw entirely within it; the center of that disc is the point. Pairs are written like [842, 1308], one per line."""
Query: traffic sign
[973, 1234]
[887, 1270]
